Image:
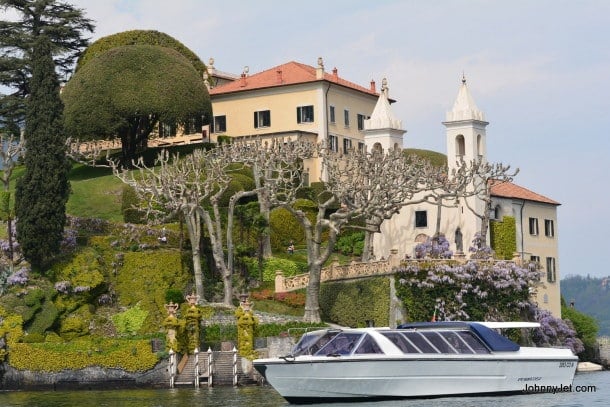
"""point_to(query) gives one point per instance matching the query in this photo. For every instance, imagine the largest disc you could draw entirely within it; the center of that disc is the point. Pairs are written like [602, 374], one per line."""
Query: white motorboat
[417, 360]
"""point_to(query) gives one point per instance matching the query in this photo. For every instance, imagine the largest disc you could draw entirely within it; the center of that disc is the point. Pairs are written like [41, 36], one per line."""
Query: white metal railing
[196, 368]
[172, 368]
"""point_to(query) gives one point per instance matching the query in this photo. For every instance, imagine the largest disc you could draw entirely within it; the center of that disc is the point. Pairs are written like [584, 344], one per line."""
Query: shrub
[174, 295]
[33, 338]
[72, 327]
[132, 356]
[351, 244]
[130, 322]
[44, 319]
[273, 264]
[129, 202]
[353, 303]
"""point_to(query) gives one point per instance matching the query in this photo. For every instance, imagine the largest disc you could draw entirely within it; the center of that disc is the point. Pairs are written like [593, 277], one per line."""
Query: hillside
[590, 296]
[436, 158]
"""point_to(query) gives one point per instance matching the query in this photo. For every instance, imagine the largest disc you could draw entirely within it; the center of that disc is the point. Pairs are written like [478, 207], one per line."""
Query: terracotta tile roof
[290, 73]
[510, 190]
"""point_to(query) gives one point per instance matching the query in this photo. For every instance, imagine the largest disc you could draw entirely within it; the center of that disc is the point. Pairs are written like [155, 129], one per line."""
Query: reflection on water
[265, 396]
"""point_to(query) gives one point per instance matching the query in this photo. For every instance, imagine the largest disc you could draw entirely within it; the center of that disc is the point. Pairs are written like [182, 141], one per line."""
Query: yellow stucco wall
[282, 102]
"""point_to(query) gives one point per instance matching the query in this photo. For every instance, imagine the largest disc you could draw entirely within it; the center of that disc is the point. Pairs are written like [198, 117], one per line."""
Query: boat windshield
[342, 344]
[311, 342]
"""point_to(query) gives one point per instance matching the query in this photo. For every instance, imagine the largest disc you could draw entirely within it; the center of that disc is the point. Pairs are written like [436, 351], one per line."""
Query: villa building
[297, 100]
[535, 216]
[289, 101]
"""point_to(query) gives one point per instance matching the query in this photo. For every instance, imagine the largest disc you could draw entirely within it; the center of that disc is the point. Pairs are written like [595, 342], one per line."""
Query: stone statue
[459, 245]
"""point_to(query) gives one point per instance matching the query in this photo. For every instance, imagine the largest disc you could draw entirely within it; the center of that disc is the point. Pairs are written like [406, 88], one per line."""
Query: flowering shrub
[63, 287]
[19, 277]
[479, 249]
[68, 242]
[480, 290]
[434, 248]
[293, 299]
[554, 331]
[290, 298]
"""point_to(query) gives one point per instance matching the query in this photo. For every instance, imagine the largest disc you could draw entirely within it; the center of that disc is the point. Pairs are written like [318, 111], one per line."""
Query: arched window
[497, 212]
[377, 148]
[546, 298]
[460, 146]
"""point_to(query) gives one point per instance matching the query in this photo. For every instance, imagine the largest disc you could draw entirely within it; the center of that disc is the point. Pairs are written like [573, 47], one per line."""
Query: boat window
[367, 345]
[456, 342]
[438, 342]
[403, 343]
[342, 344]
[475, 344]
[418, 340]
[312, 342]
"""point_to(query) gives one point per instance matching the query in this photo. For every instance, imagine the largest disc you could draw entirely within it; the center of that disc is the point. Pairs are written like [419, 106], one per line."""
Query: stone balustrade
[354, 270]
[336, 272]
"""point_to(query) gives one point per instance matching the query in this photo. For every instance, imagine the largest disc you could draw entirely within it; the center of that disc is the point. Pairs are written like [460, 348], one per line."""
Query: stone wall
[85, 379]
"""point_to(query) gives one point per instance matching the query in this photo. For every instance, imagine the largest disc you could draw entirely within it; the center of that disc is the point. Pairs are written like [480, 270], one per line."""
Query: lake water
[265, 396]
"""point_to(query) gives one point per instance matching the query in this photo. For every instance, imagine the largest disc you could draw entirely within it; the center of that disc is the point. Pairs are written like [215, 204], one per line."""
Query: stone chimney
[242, 80]
[320, 69]
[373, 88]
[335, 73]
[279, 76]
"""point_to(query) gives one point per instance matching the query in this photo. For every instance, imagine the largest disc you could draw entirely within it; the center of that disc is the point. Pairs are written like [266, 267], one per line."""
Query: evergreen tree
[41, 194]
[63, 25]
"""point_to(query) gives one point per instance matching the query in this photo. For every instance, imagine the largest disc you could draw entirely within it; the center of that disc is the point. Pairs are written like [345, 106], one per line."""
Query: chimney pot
[279, 76]
[242, 81]
[335, 73]
[373, 88]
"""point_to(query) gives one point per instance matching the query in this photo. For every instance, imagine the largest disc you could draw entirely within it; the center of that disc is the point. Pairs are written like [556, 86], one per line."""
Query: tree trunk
[215, 232]
[439, 207]
[265, 210]
[193, 226]
[312, 301]
[368, 250]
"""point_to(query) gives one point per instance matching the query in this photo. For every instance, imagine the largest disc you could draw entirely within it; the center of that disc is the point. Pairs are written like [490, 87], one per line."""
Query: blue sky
[539, 70]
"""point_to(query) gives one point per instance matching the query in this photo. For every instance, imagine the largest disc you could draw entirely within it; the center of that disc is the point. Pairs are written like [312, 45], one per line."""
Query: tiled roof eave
[369, 93]
[520, 198]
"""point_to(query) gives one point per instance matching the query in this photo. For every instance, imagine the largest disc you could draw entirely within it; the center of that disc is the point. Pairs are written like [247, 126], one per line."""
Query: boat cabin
[417, 338]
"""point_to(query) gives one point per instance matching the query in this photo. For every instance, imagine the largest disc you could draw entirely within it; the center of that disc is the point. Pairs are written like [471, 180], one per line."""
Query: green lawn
[96, 193]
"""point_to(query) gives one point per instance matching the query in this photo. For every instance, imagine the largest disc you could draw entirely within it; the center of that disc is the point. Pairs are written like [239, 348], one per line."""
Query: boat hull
[341, 379]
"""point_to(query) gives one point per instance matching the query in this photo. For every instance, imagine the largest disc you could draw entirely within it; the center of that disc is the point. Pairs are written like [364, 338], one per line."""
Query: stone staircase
[186, 370]
[221, 370]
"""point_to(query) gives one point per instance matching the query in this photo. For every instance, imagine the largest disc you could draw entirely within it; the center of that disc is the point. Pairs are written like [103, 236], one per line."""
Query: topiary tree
[139, 37]
[127, 90]
[148, 37]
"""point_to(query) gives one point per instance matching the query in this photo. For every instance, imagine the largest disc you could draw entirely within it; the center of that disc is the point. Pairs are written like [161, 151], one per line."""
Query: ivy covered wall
[503, 237]
[352, 303]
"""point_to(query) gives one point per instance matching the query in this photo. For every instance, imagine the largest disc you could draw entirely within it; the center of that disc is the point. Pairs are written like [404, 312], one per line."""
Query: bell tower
[465, 128]
[383, 130]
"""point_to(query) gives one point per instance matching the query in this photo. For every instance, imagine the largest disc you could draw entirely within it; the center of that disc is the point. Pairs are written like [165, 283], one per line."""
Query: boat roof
[492, 339]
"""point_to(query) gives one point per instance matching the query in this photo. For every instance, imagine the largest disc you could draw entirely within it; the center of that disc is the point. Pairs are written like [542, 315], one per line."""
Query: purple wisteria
[434, 248]
[481, 289]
